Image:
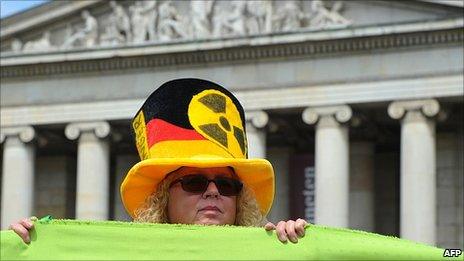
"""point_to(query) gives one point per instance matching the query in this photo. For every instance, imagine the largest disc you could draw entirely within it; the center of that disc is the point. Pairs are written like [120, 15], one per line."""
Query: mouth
[211, 208]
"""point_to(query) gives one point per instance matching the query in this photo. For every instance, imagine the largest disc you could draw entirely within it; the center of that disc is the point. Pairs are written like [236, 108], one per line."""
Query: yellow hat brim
[143, 178]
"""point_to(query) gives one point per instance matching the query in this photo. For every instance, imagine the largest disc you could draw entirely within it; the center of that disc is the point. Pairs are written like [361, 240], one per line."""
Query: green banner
[82, 240]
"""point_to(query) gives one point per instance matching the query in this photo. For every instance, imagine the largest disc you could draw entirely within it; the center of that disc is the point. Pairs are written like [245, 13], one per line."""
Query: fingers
[269, 226]
[300, 227]
[22, 229]
[288, 230]
[291, 233]
[27, 223]
[281, 232]
[19, 229]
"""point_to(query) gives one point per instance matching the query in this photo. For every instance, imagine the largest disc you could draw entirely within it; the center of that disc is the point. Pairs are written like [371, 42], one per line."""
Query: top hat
[192, 123]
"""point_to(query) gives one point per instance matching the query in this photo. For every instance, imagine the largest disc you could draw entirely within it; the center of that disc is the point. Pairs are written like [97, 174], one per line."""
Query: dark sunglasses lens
[194, 184]
[228, 186]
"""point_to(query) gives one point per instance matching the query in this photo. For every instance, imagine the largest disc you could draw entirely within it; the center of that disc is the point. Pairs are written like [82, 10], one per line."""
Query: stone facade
[365, 95]
[132, 23]
[450, 188]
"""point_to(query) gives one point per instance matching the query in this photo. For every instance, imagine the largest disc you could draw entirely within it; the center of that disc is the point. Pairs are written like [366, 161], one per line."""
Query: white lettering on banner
[308, 193]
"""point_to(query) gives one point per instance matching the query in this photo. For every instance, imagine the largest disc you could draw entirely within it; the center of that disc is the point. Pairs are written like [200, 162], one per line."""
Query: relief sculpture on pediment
[171, 24]
[121, 21]
[290, 16]
[202, 10]
[144, 22]
[87, 36]
[324, 17]
[230, 22]
[259, 19]
[42, 43]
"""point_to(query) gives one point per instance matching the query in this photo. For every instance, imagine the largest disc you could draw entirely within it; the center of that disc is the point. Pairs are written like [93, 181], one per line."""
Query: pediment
[96, 24]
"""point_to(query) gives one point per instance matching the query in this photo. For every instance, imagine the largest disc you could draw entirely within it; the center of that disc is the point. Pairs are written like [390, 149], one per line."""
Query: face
[208, 208]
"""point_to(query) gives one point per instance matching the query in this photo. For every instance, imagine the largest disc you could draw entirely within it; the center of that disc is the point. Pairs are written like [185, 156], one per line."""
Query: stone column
[331, 163]
[418, 168]
[256, 136]
[362, 186]
[92, 189]
[18, 174]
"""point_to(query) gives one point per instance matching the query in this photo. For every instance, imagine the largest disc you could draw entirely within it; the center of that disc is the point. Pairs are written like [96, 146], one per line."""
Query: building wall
[123, 164]
[254, 75]
[54, 186]
[386, 186]
[450, 189]
[279, 157]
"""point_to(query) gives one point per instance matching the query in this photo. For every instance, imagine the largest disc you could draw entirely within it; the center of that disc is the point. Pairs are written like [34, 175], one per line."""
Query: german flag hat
[192, 123]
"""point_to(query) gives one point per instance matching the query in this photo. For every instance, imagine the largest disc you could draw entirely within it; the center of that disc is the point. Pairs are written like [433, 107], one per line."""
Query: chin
[210, 222]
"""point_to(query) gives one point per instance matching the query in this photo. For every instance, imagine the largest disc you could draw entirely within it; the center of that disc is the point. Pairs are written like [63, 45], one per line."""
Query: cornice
[452, 3]
[252, 101]
[326, 43]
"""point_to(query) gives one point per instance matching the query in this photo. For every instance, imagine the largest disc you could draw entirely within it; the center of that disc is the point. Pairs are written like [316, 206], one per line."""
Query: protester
[194, 169]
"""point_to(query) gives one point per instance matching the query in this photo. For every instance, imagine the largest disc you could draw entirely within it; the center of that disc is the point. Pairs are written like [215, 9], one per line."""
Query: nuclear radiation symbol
[215, 116]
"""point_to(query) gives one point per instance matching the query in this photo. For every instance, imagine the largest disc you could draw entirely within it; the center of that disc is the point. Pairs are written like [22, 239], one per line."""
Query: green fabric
[74, 239]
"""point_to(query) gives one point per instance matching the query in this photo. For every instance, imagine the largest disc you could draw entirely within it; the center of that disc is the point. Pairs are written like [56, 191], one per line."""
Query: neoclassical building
[358, 104]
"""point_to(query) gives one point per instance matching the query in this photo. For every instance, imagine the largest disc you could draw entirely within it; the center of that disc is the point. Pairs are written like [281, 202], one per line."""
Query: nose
[211, 190]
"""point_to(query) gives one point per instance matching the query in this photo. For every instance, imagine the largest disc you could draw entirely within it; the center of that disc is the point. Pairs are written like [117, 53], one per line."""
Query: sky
[10, 7]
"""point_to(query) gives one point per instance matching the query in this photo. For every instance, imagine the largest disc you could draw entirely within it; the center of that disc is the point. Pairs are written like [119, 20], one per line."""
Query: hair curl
[155, 207]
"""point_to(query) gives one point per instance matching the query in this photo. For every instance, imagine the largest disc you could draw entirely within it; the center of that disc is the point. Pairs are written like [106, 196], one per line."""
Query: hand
[22, 228]
[288, 230]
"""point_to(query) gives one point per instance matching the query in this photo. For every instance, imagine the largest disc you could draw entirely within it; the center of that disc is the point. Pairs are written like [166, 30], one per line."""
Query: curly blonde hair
[155, 207]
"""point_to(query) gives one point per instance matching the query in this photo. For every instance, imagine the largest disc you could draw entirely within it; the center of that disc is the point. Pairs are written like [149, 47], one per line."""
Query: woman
[194, 168]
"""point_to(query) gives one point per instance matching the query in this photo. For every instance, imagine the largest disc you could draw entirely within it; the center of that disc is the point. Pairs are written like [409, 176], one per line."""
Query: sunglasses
[197, 183]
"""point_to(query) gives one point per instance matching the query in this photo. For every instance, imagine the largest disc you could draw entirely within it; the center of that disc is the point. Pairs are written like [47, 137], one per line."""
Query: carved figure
[111, 37]
[170, 24]
[42, 44]
[88, 35]
[121, 21]
[16, 45]
[150, 14]
[202, 11]
[260, 16]
[324, 17]
[230, 22]
[217, 21]
[139, 23]
[289, 17]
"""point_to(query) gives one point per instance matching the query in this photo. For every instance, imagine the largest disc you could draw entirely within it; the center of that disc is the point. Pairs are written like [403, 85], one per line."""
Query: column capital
[258, 119]
[398, 109]
[342, 113]
[25, 133]
[100, 128]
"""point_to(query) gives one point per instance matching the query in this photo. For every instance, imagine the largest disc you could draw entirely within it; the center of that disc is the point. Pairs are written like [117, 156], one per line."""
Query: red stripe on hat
[159, 130]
